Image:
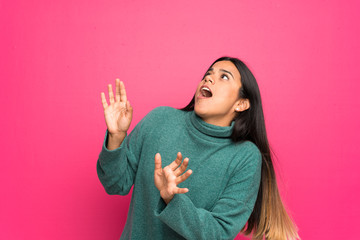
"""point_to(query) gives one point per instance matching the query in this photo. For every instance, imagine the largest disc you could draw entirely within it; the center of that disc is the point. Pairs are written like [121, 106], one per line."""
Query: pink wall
[56, 58]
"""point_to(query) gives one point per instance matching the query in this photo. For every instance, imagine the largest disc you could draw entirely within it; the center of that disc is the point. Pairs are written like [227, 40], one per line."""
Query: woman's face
[217, 95]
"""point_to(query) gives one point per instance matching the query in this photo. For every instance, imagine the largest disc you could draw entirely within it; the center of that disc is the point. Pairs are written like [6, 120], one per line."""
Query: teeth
[206, 92]
[205, 88]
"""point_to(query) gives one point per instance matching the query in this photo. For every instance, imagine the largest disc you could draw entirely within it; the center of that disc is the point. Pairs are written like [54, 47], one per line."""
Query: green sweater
[222, 189]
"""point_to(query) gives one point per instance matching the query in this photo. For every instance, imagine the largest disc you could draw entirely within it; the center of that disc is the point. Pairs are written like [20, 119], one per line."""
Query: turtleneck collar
[210, 129]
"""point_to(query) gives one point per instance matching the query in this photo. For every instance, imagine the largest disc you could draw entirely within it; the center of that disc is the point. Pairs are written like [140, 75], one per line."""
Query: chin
[201, 112]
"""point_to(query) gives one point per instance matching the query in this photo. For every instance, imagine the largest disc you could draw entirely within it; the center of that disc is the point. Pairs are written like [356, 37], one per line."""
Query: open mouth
[206, 92]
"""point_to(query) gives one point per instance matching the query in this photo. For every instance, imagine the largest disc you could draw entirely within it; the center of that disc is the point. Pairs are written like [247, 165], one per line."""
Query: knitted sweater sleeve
[117, 168]
[229, 214]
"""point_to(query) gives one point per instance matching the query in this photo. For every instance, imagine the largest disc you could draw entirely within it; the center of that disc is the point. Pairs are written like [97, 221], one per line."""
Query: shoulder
[250, 148]
[165, 110]
[164, 113]
[249, 154]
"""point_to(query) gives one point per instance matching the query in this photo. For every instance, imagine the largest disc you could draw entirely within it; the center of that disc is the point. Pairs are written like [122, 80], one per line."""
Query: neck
[209, 130]
[221, 122]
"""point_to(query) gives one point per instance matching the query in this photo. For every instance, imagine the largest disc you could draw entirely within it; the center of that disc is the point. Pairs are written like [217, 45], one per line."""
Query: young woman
[226, 183]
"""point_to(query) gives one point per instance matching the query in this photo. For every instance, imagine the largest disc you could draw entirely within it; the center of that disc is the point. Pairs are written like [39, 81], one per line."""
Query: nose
[208, 79]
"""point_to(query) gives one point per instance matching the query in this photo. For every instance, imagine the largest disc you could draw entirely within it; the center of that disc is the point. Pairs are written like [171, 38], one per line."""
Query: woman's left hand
[167, 178]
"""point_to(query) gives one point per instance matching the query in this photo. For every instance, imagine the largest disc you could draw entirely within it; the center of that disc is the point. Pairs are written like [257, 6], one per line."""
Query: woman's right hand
[118, 114]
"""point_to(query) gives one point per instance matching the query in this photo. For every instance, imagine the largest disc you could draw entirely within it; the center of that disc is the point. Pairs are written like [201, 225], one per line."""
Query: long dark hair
[269, 218]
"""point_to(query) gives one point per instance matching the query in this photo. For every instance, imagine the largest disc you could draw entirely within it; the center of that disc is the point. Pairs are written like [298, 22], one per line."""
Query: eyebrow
[222, 70]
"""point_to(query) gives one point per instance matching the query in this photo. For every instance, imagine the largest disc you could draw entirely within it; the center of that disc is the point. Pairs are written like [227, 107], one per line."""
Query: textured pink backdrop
[56, 58]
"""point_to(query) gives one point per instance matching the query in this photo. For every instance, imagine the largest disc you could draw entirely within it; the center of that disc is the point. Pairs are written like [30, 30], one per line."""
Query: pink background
[56, 58]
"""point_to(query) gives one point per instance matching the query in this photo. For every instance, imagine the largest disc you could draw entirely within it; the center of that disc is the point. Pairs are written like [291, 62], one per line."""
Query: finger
[182, 168]
[157, 161]
[123, 97]
[180, 190]
[117, 95]
[176, 162]
[103, 100]
[183, 177]
[130, 109]
[111, 94]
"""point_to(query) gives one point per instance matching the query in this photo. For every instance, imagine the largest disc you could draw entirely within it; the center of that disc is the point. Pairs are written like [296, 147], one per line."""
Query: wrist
[116, 136]
[115, 140]
[167, 199]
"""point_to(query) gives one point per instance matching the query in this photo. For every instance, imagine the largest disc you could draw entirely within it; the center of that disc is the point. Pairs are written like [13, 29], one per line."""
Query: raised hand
[166, 179]
[118, 114]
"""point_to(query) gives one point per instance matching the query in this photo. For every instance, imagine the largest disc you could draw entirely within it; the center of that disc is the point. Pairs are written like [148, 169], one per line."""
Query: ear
[242, 105]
